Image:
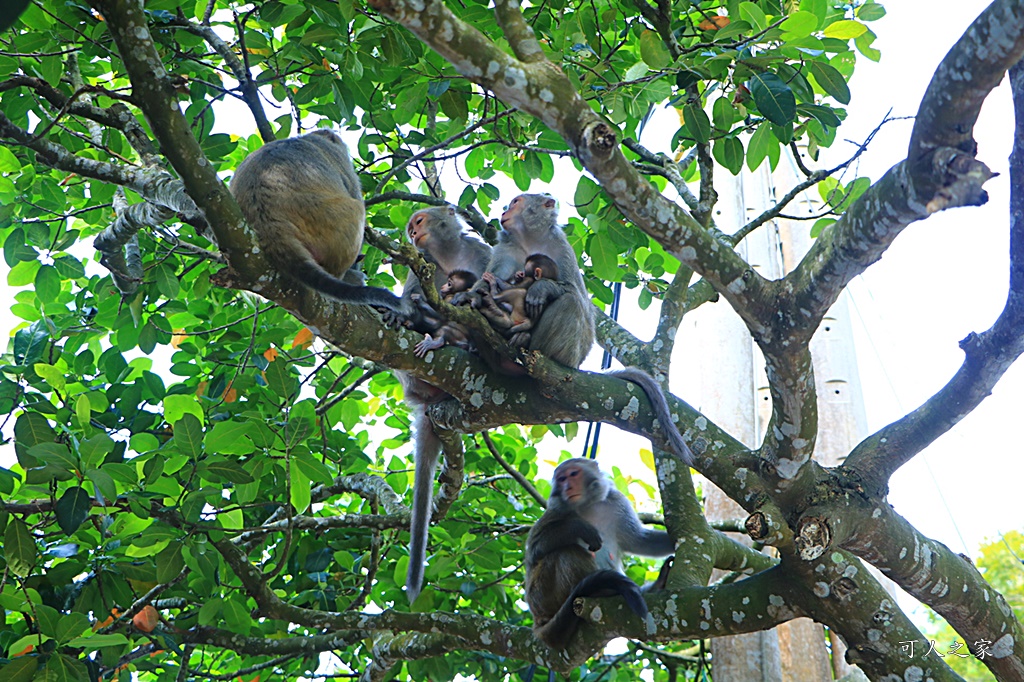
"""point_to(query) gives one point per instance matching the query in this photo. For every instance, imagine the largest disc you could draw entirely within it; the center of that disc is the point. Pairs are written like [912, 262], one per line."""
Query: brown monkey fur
[504, 304]
[301, 197]
[573, 550]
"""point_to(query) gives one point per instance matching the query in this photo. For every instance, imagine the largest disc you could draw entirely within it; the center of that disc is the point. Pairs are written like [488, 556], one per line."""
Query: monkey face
[570, 483]
[417, 230]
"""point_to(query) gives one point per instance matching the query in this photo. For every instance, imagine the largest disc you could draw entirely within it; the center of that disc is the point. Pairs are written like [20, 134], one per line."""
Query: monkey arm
[553, 535]
[631, 535]
[541, 293]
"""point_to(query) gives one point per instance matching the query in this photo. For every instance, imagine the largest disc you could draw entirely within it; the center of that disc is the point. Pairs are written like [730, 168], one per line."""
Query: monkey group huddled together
[302, 198]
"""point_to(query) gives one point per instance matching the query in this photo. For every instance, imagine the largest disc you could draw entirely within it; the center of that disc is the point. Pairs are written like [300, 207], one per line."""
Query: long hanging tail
[557, 632]
[428, 449]
[314, 276]
[661, 411]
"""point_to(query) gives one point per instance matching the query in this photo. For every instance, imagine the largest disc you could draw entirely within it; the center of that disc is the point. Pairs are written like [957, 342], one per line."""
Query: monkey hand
[428, 343]
[519, 340]
[661, 582]
[539, 295]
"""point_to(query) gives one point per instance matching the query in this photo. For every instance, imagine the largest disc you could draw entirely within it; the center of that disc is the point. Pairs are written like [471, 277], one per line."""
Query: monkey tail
[661, 411]
[558, 631]
[428, 449]
[314, 276]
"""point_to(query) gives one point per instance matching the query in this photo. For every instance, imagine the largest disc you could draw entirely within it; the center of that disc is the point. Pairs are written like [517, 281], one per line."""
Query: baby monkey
[573, 550]
[505, 306]
[447, 332]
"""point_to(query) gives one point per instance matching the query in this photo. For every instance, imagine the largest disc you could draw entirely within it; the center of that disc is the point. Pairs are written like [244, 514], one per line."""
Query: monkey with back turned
[504, 305]
[301, 197]
[574, 550]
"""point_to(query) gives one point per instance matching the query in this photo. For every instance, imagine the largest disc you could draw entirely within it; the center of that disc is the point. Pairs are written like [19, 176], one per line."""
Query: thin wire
[606, 362]
[899, 403]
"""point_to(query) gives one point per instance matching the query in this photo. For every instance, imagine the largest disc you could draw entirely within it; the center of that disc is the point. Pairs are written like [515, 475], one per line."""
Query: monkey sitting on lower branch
[573, 550]
[301, 196]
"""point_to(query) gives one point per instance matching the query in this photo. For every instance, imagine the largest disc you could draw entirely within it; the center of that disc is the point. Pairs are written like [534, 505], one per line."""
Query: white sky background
[942, 279]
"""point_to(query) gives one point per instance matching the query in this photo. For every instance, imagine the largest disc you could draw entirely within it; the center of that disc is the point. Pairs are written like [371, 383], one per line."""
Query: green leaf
[166, 281]
[653, 51]
[760, 143]
[188, 436]
[19, 548]
[605, 256]
[280, 378]
[870, 11]
[169, 563]
[23, 668]
[98, 641]
[819, 226]
[51, 375]
[219, 469]
[728, 151]
[72, 509]
[753, 14]
[724, 114]
[106, 489]
[845, 29]
[697, 123]
[773, 97]
[95, 449]
[230, 438]
[831, 81]
[800, 24]
[300, 488]
[47, 283]
[70, 626]
[301, 423]
[312, 468]
[56, 454]
[83, 410]
[61, 668]
[236, 616]
[8, 161]
[586, 192]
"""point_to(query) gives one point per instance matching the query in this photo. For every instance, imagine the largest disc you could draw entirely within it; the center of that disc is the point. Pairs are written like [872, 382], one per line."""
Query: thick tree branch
[940, 171]
[935, 575]
[987, 355]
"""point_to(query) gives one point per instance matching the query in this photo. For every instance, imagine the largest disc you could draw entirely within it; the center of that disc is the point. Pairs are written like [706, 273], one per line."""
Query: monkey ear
[451, 210]
[550, 202]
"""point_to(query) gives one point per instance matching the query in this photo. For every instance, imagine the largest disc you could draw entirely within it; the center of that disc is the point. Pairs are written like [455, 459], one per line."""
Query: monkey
[600, 504]
[530, 226]
[302, 198]
[566, 334]
[439, 235]
[449, 332]
[572, 550]
[505, 305]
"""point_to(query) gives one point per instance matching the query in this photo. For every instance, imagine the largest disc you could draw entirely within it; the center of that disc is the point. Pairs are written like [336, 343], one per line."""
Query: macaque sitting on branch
[573, 550]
